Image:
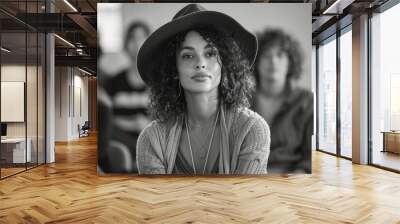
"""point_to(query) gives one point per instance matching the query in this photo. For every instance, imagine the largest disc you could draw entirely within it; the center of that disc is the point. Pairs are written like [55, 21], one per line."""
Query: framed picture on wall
[12, 101]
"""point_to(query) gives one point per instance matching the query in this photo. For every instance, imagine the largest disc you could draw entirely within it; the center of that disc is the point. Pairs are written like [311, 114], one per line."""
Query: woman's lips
[201, 77]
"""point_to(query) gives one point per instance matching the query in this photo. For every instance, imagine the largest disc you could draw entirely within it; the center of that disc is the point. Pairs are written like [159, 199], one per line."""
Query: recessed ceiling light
[70, 5]
[84, 71]
[337, 7]
[64, 40]
[5, 49]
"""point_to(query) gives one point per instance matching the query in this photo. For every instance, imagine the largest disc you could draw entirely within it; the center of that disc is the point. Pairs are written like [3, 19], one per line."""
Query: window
[327, 96]
[346, 93]
[385, 89]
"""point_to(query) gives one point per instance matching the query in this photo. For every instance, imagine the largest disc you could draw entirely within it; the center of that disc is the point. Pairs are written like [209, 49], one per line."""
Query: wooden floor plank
[71, 191]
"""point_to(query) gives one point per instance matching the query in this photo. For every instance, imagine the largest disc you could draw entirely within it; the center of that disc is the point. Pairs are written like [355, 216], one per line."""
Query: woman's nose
[277, 60]
[201, 63]
[200, 66]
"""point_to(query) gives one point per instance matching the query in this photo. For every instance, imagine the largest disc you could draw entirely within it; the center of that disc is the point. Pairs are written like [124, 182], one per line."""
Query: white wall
[82, 83]
[62, 81]
[71, 93]
[80, 109]
[13, 72]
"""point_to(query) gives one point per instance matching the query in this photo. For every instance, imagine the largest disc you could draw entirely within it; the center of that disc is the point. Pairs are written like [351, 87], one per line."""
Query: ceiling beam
[86, 26]
[85, 61]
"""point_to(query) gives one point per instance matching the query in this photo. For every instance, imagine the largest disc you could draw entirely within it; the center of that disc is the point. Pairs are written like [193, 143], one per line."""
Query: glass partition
[22, 67]
[32, 85]
[31, 99]
[13, 109]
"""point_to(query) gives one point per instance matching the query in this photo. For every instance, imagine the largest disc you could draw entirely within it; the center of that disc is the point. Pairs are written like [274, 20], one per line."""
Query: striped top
[130, 113]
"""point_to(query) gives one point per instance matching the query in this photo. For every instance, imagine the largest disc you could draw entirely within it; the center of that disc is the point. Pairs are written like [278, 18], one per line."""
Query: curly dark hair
[167, 98]
[270, 38]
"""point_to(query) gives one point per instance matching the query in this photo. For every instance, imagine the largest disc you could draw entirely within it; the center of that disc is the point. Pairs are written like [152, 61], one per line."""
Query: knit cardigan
[244, 145]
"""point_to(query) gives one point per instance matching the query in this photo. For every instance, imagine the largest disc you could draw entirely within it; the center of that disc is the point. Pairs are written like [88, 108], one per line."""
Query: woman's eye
[187, 56]
[211, 54]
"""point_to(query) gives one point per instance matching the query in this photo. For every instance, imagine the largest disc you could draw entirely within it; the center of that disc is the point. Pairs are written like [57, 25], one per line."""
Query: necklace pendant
[209, 146]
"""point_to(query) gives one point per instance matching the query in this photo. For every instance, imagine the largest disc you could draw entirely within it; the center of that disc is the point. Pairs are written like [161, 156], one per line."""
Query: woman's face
[137, 38]
[198, 64]
[273, 68]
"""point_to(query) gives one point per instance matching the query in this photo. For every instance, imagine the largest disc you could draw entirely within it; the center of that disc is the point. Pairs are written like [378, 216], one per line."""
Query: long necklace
[209, 146]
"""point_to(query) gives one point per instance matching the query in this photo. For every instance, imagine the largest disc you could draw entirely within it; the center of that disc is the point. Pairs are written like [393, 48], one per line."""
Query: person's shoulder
[306, 99]
[153, 127]
[304, 94]
[245, 117]
[248, 124]
[245, 114]
[153, 132]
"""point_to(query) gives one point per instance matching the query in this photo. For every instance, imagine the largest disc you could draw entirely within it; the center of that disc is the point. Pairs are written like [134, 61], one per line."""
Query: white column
[50, 92]
[360, 90]
[50, 100]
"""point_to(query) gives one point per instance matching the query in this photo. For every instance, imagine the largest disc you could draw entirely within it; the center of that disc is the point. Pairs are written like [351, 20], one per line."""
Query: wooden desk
[13, 150]
[391, 141]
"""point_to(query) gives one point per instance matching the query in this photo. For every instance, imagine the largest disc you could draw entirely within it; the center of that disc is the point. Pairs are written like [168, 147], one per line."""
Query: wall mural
[204, 89]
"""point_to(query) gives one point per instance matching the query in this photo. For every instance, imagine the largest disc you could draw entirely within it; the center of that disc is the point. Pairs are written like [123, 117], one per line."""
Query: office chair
[84, 130]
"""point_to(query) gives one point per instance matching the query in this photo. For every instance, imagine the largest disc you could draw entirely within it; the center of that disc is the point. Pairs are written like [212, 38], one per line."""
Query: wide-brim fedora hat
[190, 17]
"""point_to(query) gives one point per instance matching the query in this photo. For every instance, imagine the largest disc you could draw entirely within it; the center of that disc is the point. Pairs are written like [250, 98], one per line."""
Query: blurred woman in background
[286, 107]
[130, 98]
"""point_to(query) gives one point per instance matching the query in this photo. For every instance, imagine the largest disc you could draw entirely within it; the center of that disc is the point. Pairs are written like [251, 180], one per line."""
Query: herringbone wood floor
[70, 191]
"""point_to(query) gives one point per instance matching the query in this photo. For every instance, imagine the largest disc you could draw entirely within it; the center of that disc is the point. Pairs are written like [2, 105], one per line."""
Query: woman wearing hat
[198, 67]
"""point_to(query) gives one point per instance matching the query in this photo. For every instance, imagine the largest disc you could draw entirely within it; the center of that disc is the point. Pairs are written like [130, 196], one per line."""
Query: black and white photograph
[204, 88]
[212, 111]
